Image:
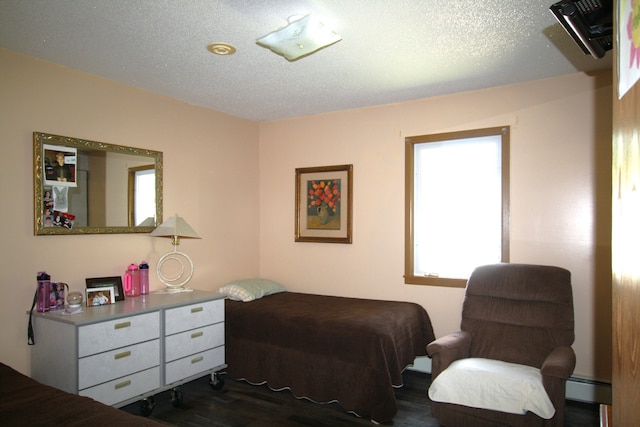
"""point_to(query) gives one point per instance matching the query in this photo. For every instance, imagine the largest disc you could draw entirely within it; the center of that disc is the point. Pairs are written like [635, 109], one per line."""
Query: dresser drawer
[193, 316]
[195, 364]
[124, 388]
[106, 366]
[193, 341]
[113, 334]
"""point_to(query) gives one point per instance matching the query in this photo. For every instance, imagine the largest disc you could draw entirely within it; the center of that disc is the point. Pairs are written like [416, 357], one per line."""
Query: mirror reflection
[89, 187]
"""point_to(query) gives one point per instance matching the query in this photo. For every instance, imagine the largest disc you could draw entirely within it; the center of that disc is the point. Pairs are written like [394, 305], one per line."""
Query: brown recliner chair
[515, 313]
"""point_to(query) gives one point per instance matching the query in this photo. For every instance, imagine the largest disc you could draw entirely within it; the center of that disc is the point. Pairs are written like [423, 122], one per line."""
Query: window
[456, 205]
[142, 196]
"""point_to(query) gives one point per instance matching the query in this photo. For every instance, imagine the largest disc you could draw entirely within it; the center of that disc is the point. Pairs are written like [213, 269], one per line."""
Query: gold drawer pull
[123, 354]
[196, 309]
[122, 325]
[197, 334]
[197, 359]
[123, 384]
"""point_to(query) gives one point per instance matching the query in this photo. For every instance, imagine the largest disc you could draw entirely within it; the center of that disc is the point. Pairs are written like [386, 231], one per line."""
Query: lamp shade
[300, 38]
[175, 226]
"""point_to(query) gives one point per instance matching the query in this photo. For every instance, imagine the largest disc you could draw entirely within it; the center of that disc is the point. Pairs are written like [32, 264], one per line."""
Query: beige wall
[560, 184]
[233, 180]
[210, 178]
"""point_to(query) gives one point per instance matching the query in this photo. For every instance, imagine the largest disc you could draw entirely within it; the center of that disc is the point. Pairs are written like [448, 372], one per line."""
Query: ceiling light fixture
[301, 37]
[222, 49]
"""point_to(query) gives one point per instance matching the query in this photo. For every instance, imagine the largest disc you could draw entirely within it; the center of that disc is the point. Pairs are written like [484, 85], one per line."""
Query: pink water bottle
[44, 292]
[144, 277]
[131, 281]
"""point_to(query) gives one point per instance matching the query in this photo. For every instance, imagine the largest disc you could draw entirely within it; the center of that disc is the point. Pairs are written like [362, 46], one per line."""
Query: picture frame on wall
[100, 282]
[60, 166]
[100, 296]
[324, 204]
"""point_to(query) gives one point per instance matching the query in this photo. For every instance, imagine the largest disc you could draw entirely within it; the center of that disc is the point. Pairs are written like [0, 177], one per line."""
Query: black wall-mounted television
[588, 22]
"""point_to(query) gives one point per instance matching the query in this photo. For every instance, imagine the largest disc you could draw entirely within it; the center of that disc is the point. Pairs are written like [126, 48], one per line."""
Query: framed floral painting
[324, 203]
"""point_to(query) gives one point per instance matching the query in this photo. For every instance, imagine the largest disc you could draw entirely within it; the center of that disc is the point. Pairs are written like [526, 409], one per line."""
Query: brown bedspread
[26, 402]
[327, 348]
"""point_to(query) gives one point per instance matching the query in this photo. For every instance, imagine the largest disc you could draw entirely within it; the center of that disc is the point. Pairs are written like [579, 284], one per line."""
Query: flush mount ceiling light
[220, 48]
[300, 38]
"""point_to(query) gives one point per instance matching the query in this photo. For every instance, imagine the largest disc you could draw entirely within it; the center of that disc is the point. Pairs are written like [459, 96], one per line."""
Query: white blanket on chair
[493, 384]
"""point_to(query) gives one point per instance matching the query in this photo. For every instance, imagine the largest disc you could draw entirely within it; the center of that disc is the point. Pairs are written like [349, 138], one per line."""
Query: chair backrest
[518, 312]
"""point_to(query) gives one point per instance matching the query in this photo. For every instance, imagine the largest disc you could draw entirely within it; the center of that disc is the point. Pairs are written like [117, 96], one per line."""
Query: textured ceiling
[391, 50]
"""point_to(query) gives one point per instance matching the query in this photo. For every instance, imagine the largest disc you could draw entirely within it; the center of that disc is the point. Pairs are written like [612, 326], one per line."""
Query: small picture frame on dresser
[100, 296]
[100, 282]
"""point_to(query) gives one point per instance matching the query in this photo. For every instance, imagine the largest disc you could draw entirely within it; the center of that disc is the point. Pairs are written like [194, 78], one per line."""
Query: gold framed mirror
[86, 187]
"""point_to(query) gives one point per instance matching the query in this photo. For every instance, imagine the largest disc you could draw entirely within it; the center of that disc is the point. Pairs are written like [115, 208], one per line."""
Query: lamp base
[184, 270]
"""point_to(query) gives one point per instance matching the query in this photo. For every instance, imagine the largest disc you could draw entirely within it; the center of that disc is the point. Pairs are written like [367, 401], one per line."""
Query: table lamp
[175, 228]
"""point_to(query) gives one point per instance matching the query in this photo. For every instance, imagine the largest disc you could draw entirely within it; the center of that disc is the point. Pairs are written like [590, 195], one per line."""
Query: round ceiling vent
[221, 48]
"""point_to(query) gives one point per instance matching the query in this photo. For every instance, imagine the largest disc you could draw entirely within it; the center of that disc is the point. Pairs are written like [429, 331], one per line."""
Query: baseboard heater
[580, 389]
[588, 390]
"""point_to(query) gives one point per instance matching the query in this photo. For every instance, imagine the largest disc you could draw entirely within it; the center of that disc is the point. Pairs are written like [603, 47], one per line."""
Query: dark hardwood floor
[239, 404]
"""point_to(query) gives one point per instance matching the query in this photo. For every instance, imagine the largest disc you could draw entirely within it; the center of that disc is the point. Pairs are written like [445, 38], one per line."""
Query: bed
[26, 402]
[325, 348]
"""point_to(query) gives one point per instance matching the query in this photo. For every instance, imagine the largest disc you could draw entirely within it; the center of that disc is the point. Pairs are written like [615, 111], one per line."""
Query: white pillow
[250, 289]
[493, 384]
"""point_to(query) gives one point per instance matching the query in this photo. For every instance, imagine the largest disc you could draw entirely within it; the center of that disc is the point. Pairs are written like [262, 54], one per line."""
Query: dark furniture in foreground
[327, 348]
[242, 404]
[515, 313]
[26, 402]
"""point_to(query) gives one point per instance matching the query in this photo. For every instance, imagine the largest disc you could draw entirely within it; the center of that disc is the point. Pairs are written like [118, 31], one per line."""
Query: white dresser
[127, 351]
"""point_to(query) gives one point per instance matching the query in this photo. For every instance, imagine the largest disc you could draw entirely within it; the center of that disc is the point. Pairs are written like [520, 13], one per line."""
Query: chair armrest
[448, 349]
[457, 341]
[560, 363]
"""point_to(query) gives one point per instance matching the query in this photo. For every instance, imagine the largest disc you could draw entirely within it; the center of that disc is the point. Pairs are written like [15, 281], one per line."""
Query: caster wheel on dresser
[176, 397]
[216, 382]
[146, 406]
